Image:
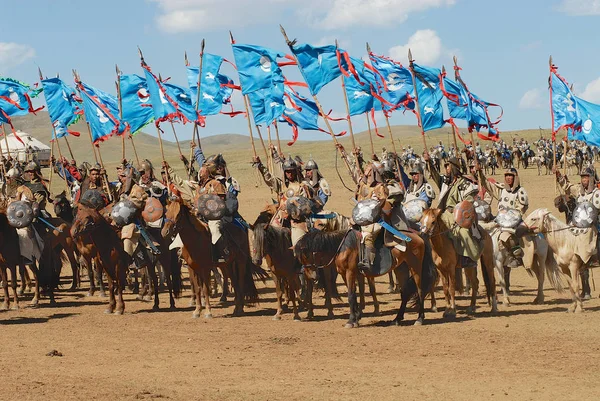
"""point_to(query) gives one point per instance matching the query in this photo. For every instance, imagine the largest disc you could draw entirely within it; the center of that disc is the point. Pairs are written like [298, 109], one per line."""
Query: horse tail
[251, 272]
[553, 272]
[428, 275]
[176, 280]
[322, 283]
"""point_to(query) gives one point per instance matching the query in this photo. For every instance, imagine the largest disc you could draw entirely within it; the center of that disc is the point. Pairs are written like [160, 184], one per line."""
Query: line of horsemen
[387, 201]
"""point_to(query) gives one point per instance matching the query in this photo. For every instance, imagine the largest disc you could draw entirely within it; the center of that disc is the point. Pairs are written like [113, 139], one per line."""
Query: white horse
[566, 247]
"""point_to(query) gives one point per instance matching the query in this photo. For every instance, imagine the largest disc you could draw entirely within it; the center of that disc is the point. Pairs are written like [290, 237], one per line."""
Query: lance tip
[455, 60]
[202, 46]
[368, 48]
[231, 37]
[410, 59]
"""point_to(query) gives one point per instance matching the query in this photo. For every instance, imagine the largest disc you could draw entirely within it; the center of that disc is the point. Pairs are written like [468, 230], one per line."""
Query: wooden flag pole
[77, 80]
[176, 140]
[262, 141]
[280, 151]
[459, 79]
[196, 129]
[454, 127]
[51, 162]
[370, 134]
[104, 176]
[120, 97]
[270, 148]
[134, 149]
[6, 141]
[69, 147]
[347, 106]
[249, 126]
[327, 123]
[68, 193]
[417, 108]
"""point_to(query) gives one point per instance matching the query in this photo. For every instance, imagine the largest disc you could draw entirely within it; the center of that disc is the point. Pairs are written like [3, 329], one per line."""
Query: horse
[319, 249]
[447, 261]
[566, 247]
[83, 243]
[10, 259]
[197, 252]
[110, 255]
[274, 244]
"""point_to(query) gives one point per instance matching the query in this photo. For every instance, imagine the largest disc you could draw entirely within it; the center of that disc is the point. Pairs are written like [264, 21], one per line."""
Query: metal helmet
[13, 173]
[417, 169]
[311, 165]
[588, 171]
[96, 167]
[214, 163]
[290, 164]
[146, 165]
[32, 166]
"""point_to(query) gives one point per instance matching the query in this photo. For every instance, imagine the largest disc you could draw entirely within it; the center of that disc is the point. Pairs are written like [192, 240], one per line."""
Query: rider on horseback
[419, 188]
[93, 181]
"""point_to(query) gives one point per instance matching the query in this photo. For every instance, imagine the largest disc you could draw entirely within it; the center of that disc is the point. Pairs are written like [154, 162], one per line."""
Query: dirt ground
[524, 352]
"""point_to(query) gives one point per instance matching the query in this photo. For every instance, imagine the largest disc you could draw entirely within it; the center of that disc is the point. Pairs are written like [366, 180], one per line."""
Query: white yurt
[24, 151]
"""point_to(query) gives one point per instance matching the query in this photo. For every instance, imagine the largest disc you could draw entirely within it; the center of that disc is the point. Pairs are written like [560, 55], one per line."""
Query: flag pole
[261, 139]
[6, 142]
[69, 147]
[327, 123]
[280, 151]
[104, 176]
[454, 127]
[347, 105]
[459, 79]
[270, 148]
[187, 63]
[249, 125]
[134, 149]
[120, 97]
[176, 140]
[417, 108]
[77, 79]
[370, 133]
[196, 129]
[51, 162]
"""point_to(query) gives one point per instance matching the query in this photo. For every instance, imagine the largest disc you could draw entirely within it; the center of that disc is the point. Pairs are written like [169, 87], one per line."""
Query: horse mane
[272, 240]
[322, 241]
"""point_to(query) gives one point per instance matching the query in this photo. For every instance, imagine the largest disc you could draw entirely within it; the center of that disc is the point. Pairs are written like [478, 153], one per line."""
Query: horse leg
[308, 295]
[352, 302]
[223, 278]
[120, 274]
[205, 283]
[153, 279]
[24, 276]
[278, 293]
[451, 311]
[471, 273]
[197, 289]
[111, 295]
[577, 305]
[540, 274]
[373, 292]
[4, 276]
[13, 284]
[328, 291]
[361, 291]
[293, 282]
[238, 286]
[36, 292]
[99, 276]
[391, 286]
[401, 278]
[74, 265]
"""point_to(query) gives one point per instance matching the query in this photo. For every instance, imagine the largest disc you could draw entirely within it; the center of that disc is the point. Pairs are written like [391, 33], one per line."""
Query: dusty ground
[525, 352]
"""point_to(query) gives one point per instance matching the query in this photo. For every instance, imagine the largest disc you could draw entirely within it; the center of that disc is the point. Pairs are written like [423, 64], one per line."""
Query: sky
[502, 47]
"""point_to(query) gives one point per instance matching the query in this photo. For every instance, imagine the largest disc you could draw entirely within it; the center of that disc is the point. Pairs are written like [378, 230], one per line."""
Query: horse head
[62, 207]
[535, 221]
[85, 220]
[173, 214]
[429, 220]
[256, 240]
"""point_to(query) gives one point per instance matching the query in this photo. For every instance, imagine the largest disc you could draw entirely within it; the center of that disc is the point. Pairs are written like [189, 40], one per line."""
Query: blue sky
[503, 47]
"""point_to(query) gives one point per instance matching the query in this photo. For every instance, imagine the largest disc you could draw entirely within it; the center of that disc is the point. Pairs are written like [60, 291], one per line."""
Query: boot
[220, 251]
[367, 261]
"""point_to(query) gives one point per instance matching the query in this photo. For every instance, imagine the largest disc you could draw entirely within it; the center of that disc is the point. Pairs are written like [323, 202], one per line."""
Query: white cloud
[13, 54]
[425, 45]
[591, 93]
[579, 8]
[532, 99]
[195, 15]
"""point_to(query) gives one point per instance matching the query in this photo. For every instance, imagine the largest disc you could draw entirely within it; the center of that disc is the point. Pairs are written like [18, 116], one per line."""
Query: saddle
[384, 260]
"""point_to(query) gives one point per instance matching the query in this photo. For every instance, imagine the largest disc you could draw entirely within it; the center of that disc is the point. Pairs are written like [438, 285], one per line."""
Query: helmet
[32, 166]
[146, 166]
[511, 171]
[96, 167]
[13, 173]
[417, 169]
[587, 171]
[290, 164]
[311, 165]
[214, 162]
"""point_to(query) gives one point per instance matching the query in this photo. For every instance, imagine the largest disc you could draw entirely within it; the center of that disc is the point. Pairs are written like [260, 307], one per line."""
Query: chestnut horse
[274, 244]
[197, 252]
[10, 258]
[110, 255]
[447, 261]
[317, 249]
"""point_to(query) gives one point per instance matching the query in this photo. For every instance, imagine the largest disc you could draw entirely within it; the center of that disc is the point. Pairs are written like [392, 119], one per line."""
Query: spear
[120, 97]
[347, 105]
[459, 79]
[327, 123]
[417, 108]
[196, 130]
[454, 127]
[77, 80]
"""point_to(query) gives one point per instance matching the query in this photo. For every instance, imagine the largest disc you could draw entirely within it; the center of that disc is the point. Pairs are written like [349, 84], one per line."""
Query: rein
[334, 255]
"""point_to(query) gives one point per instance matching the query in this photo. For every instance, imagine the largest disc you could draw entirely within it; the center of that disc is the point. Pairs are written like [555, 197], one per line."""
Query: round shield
[19, 214]
[483, 210]
[231, 204]
[298, 207]
[366, 212]
[464, 214]
[211, 207]
[123, 213]
[508, 218]
[585, 215]
[93, 198]
[153, 210]
[413, 210]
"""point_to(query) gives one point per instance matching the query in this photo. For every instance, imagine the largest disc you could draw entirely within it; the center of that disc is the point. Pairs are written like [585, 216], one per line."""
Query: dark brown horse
[197, 252]
[10, 258]
[317, 249]
[274, 245]
[110, 255]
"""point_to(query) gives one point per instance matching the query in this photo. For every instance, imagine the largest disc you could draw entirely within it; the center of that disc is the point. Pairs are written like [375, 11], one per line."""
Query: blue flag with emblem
[135, 101]
[589, 129]
[216, 87]
[394, 82]
[101, 112]
[564, 106]
[299, 112]
[457, 99]
[15, 97]
[257, 67]
[163, 105]
[430, 96]
[318, 65]
[360, 91]
[64, 106]
[267, 104]
[183, 98]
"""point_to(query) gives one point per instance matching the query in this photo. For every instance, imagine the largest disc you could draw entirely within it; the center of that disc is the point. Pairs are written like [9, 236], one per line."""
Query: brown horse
[197, 252]
[110, 255]
[447, 261]
[274, 245]
[318, 249]
[10, 258]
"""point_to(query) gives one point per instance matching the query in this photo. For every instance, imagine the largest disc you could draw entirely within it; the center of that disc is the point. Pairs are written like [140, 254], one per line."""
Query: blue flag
[299, 113]
[183, 98]
[101, 112]
[135, 101]
[457, 99]
[216, 87]
[589, 130]
[318, 65]
[164, 107]
[257, 67]
[64, 106]
[15, 97]
[564, 106]
[267, 104]
[394, 82]
[430, 96]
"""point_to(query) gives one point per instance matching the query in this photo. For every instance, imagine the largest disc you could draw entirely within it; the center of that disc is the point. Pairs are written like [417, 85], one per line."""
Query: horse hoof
[297, 319]
[16, 307]
[376, 312]
[418, 322]
[20, 291]
[89, 294]
[155, 308]
[208, 316]
[434, 309]
[330, 315]
[470, 310]
[102, 295]
[351, 325]
[147, 298]
[538, 301]
[108, 311]
[223, 299]
[119, 312]
[195, 315]
[391, 290]
[277, 317]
